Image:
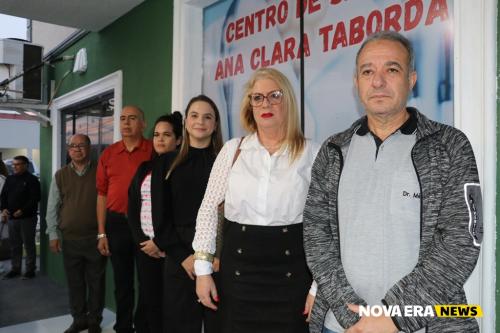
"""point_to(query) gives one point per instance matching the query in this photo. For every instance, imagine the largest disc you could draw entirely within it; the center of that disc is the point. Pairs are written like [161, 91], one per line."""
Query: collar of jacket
[425, 127]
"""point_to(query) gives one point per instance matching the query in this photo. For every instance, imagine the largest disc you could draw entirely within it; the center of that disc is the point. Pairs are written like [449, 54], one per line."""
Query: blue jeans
[326, 330]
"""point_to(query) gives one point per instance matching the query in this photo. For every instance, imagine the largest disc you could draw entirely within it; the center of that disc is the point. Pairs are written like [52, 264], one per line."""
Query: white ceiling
[90, 15]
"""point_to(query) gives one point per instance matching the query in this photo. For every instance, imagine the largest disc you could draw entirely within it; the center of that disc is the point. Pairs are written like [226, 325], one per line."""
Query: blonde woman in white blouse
[264, 284]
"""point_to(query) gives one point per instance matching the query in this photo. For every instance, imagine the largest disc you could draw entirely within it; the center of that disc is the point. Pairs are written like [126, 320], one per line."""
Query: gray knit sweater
[451, 230]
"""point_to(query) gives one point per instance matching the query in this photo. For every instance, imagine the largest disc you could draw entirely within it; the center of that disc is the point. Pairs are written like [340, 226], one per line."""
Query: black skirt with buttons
[264, 279]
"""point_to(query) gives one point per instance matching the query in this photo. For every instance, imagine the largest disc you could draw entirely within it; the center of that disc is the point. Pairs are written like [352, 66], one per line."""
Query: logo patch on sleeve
[474, 200]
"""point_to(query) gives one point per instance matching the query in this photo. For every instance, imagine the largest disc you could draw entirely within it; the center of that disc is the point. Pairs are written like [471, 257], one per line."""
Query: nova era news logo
[444, 311]
[458, 311]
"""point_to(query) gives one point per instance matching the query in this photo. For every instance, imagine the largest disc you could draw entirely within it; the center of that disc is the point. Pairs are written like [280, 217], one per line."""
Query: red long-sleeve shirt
[116, 169]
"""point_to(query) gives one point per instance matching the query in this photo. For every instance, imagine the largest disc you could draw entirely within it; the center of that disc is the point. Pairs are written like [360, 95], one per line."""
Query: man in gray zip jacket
[394, 211]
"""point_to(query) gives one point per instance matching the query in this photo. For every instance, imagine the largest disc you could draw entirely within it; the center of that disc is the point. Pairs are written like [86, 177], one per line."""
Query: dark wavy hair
[175, 120]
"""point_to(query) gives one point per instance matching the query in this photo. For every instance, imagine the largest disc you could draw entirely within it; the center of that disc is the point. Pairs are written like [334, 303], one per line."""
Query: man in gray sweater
[393, 216]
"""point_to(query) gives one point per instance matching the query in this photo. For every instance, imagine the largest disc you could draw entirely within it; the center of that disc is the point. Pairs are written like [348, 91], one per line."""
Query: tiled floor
[50, 325]
[57, 325]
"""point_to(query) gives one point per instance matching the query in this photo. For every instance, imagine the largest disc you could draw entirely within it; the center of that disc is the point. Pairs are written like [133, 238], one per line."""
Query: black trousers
[85, 272]
[181, 311]
[22, 231]
[149, 305]
[122, 248]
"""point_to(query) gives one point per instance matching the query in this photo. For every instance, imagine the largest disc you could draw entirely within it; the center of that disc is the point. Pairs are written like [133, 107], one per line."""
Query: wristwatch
[99, 236]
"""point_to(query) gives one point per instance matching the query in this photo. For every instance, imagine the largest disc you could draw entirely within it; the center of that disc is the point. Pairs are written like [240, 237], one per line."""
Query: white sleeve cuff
[313, 289]
[202, 267]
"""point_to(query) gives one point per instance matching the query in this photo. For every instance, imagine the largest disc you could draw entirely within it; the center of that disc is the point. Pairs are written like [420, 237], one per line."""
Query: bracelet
[99, 236]
[204, 256]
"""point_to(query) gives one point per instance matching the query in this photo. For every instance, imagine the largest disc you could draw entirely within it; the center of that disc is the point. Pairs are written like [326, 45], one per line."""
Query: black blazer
[159, 210]
[167, 237]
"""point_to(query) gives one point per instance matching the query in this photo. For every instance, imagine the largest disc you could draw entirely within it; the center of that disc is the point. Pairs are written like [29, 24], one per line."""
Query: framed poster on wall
[240, 36]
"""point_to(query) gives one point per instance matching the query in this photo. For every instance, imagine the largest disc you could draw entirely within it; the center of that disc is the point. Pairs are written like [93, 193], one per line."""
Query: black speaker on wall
[32, 81]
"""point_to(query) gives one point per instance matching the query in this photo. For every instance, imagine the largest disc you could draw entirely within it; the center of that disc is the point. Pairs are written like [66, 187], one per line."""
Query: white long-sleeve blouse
[259, 189]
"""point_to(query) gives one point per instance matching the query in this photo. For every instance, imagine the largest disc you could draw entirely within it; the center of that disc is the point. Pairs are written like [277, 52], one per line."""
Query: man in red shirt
[116, 168]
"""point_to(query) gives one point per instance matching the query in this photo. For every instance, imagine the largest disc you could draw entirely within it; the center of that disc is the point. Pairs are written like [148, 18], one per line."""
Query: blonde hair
[294, 139]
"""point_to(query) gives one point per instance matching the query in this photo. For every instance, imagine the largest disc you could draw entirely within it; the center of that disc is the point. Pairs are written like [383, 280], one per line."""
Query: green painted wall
[139, 44]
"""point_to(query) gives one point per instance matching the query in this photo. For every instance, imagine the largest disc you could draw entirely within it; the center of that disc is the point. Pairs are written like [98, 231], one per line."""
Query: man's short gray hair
[141, 112]
[395, 37]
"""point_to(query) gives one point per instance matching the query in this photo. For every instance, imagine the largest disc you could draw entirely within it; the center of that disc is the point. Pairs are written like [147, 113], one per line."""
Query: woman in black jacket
[145, 217]
[184, 189]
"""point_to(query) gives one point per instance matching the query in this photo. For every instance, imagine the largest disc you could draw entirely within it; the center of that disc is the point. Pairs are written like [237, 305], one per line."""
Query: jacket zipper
[420, 187]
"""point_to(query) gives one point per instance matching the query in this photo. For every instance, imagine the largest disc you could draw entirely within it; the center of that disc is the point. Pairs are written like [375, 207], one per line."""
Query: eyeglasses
[274, 98]
[77, 146]
[18, 164]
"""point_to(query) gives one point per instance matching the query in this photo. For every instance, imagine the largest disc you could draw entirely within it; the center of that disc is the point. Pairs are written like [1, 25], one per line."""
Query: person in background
[263, 180]
[71, 211]
[3, 176]
[117, 165]
[145, 217]
[393, 216]
[187, 179]
[19, 206]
